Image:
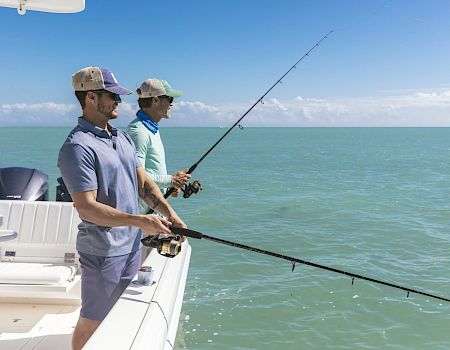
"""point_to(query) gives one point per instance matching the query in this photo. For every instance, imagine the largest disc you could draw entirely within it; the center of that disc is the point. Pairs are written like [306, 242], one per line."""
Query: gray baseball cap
[154, 87]
[96, 78]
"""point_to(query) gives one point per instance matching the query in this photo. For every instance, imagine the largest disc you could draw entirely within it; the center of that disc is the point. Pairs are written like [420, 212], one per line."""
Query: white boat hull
[43, 316]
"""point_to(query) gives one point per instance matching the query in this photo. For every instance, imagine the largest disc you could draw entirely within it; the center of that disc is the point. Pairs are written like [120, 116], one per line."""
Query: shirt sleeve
[163, 181]
[77, 166]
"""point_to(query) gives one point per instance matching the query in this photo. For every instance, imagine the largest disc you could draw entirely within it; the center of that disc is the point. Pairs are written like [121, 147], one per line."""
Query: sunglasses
[115, 97]
[170, 98]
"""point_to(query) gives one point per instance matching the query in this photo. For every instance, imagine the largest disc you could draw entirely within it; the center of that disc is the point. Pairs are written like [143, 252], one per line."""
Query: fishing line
[260, 100]
[153, 241]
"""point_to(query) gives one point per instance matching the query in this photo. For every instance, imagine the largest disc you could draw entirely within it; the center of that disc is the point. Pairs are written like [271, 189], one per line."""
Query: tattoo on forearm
[148, 194]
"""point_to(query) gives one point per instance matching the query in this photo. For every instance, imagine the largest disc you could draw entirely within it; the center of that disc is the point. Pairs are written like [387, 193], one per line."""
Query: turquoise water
[373, 201]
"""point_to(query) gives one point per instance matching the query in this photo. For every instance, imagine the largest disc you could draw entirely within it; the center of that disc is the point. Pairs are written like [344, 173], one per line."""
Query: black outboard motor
[23, 184]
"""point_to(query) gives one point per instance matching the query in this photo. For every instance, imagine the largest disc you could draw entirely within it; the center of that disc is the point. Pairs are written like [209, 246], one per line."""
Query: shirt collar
[88, 126]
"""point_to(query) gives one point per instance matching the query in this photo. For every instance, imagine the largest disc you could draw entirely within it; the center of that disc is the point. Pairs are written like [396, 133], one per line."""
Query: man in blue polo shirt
[99, 166]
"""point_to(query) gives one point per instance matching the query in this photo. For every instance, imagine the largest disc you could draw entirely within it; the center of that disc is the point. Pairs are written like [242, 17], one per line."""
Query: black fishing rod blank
[194, 166]
[198, 235]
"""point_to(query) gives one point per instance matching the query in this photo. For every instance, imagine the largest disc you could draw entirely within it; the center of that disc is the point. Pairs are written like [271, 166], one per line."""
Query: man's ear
[90, 97]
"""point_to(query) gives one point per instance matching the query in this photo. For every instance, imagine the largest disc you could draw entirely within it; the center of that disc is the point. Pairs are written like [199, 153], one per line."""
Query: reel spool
[167, 246]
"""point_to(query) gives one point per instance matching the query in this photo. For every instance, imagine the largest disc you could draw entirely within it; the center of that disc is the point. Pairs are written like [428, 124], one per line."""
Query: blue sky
[386, 64]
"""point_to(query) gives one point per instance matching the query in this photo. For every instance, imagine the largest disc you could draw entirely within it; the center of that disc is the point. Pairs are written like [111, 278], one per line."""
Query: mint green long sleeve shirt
[150, 151]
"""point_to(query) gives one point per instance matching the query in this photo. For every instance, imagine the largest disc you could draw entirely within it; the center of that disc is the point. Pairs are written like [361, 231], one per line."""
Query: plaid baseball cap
[154, 87]
[96, 78]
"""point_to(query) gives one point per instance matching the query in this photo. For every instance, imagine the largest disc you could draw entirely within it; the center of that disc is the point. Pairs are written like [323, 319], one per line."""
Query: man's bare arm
[101, 214]
[151, 194]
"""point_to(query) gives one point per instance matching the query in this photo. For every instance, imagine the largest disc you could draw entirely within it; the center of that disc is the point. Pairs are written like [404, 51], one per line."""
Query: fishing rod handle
[185, 232]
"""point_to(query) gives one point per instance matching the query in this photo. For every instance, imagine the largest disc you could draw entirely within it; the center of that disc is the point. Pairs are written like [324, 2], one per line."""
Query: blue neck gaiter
[147, 121]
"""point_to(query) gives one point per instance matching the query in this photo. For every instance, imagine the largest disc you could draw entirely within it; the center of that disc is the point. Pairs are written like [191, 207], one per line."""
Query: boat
[40, 277]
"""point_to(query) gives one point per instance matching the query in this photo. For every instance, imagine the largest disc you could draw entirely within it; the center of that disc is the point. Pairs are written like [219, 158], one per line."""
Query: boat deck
[37, 326]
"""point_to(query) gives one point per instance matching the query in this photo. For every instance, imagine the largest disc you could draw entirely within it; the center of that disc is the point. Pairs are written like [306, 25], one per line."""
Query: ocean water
[373, 201]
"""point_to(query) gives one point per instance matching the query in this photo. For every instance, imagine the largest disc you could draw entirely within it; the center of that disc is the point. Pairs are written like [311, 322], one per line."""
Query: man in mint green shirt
[155, 100]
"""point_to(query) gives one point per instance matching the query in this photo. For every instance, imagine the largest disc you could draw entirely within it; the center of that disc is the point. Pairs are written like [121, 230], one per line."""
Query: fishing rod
[196, 186]
[170, 246]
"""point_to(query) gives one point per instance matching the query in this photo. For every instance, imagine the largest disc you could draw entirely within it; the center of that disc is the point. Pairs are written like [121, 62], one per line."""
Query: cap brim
[173, 93]
[118, 90]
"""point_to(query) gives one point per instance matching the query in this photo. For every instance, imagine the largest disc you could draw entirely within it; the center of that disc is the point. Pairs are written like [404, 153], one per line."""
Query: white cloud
[419, 108]
[409, 109]
[39, 114]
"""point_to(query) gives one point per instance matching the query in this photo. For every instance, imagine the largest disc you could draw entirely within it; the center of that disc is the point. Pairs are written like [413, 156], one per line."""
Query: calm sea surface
[373, 201]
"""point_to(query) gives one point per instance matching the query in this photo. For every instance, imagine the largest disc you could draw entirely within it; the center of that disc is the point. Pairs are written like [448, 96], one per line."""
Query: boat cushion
[36, 273]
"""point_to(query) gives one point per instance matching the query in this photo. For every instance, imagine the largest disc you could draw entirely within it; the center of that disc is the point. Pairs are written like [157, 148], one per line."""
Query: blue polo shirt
[93, 159]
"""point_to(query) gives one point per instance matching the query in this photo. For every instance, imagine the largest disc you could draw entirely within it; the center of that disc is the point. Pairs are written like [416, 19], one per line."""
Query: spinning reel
[168, 246]
[191, 188]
